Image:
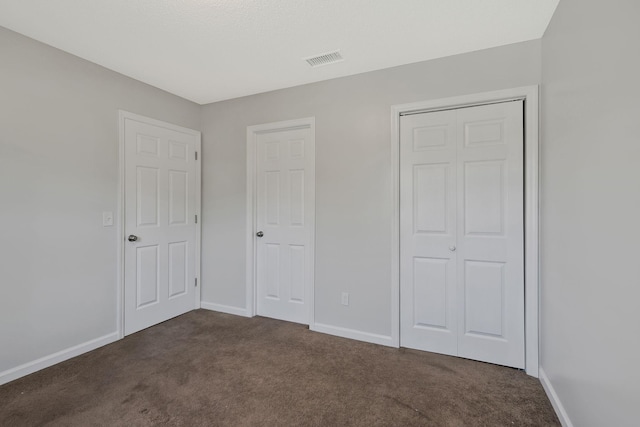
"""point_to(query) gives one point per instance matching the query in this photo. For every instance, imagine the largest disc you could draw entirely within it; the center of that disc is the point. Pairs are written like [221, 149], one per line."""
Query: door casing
[122, 116]
[531, 211]
[251, 254]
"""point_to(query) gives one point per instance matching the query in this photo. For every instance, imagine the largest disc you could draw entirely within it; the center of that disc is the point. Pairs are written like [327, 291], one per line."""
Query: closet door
[428, 232]
[462, 245]
[490, 233]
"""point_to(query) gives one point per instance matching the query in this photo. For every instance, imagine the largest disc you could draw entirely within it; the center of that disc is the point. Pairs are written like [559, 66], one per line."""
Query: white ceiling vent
[324, 59]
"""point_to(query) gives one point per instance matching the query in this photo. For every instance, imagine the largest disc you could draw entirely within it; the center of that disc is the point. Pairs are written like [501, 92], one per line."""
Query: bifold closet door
[428, 232]
[462, 244]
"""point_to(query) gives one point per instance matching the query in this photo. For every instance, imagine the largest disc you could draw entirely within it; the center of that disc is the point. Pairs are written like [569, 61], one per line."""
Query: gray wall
[58, 173]
[590, 208]
[353, 175]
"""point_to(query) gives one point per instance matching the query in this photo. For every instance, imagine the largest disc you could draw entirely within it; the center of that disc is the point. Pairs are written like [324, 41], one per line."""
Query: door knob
[132, 238]
[452, 248]
[259, 234]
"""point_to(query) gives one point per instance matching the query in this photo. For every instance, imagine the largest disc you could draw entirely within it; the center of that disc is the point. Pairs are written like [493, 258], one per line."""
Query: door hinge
[196, 219]
[196, 284]
[196, 155]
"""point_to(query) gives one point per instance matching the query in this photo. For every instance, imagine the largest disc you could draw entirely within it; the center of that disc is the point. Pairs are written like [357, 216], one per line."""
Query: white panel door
[428, 229]
[490, 238]
[285, 223]
[469, 285]
[160, 230]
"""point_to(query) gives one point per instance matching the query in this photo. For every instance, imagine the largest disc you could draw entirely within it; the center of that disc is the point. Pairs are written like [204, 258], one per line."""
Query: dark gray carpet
[211, 369]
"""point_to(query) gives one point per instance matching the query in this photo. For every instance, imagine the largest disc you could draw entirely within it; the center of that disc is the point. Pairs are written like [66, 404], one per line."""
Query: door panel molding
[253, 132]
[175, 153]
[531, 188]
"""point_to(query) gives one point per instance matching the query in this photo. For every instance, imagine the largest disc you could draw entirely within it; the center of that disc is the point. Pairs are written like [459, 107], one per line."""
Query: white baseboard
[52, 359]
[353, 334]
[238, 311]
[555, 400]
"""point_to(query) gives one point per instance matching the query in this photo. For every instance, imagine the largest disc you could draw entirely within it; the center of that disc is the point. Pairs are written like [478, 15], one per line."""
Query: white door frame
[531, 262]
[122, 116]
[251, 256]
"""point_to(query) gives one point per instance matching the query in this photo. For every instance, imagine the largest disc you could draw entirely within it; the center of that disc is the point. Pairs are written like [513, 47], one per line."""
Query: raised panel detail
[177, 268]
[178, 193]
[429, 137]
[272, 150]
[484, 199]
[484, 133]
[147, 145]
[430, 292]
[178, 150]
[484, 296]
[272, 197]
[147, 280]
[430, 198]
[297, 273]
[147, 196]
[272, 267]
[296, 148]
[296, 180]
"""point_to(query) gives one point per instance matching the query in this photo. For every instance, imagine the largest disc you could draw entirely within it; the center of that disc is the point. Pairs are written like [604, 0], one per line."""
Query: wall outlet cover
[345, 298]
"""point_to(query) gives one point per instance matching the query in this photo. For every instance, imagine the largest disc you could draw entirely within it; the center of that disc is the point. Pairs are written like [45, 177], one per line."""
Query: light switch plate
[107, 219]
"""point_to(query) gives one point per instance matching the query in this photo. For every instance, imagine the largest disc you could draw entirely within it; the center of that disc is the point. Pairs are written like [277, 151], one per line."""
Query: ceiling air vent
[324, 59]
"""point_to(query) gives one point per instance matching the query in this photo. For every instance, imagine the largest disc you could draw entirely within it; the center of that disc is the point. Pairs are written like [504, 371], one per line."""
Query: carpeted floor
[212, 369]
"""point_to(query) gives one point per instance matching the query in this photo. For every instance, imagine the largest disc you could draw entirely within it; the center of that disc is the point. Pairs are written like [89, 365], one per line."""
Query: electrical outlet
[107, 219]
[345, 298]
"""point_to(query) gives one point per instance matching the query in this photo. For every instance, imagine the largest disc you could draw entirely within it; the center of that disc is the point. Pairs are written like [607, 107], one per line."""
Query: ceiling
[211, 50]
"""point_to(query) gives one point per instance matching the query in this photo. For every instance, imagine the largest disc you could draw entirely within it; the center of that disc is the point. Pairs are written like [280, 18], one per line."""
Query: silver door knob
[452, 248]
[132, 238]
[259, 234]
